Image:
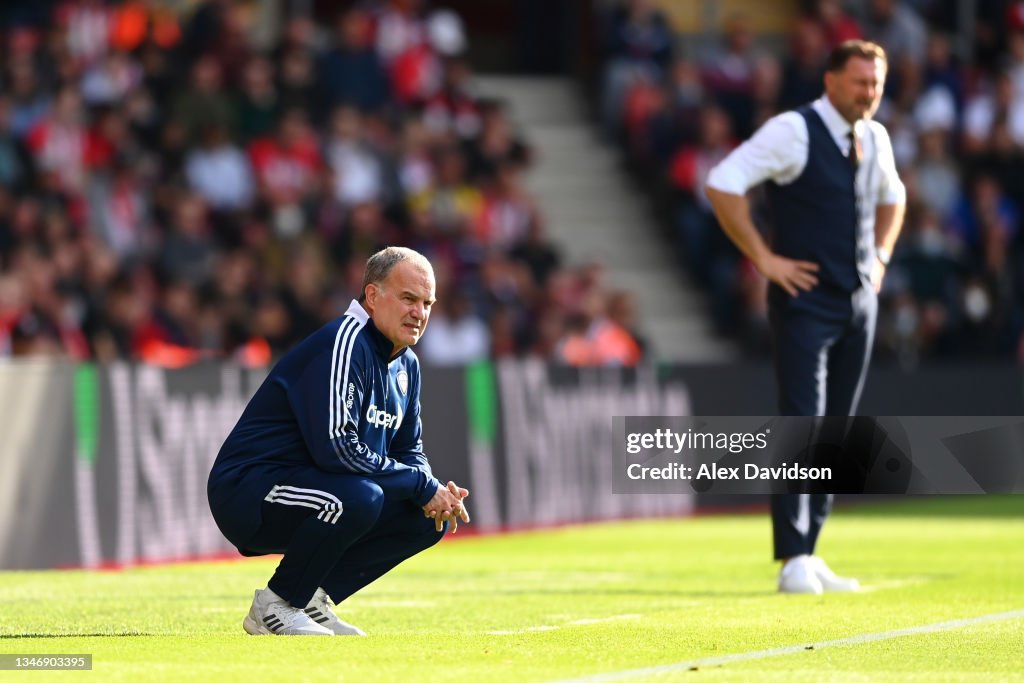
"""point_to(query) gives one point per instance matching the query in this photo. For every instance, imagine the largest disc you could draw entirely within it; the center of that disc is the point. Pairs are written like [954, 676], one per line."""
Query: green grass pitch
[574, 602]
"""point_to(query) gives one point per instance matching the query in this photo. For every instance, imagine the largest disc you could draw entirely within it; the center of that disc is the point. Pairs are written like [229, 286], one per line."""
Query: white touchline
[793, 649]
[578, 622]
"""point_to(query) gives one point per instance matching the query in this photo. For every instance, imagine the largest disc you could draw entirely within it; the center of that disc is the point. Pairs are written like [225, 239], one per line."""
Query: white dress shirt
[778, 152]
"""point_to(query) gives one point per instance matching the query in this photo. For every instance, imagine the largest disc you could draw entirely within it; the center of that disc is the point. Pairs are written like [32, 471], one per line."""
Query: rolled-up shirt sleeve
[777, 151]
[890, 187]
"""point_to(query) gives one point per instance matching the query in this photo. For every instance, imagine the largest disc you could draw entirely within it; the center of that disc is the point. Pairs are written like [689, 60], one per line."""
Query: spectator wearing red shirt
[59, 144]
[288, 169]
[508, 212]
[837, 24]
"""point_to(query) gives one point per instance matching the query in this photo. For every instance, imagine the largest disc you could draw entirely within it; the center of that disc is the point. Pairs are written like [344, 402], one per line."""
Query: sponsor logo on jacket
[380, 418]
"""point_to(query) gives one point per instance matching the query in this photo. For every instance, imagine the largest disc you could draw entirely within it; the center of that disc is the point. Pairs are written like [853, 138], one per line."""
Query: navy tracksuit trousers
[337, 531]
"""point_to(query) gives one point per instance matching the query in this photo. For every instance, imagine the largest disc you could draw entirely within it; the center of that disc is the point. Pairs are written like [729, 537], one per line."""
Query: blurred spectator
[120, 211]
[205, 103]
[259, 105]
[804, 69]
[990, 107]
[729, 74]
[496, 143]
[930, 268]
[298, 85]
[110, 79]
[901, 31]
[708, 253]
[135, 21]
[593, 338]
[539, 256]
[358, 170]
[29, 102]
[1014, 59]
[86, 25]
[219, 171]
[352, 72]
[937, 174]
[206, 27]
[622, 312]
[287, 167]
[231, 49]
[60, 144]
[307, 280]
[507, 214]
[415, 167]
[983, 218]
[367, 231]
[1002, 159]
[638, 46]
[413, 44]
[447, 210]
[187, 253]
[15, 162]
[838, 26]
[685, 98]
[457, 336]
[943, 71]
[400, 27]
[454, 107]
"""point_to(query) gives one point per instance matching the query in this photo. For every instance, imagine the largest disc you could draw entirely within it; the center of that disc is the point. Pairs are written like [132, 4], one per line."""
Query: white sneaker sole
[849, 586]
[254, 628]
[800, 590]
[344, 630]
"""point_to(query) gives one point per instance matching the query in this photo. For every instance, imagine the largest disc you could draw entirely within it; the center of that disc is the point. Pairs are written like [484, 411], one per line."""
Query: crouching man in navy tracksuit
[326, 464]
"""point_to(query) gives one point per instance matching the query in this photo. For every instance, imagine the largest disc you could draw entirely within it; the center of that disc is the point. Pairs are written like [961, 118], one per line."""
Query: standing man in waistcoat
[838, 206]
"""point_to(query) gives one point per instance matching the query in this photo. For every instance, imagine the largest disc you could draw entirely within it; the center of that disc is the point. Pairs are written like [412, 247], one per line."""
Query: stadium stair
[593, 213]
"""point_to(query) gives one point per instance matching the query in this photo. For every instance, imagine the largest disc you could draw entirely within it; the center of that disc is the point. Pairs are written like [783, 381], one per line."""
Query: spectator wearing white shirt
[220, 172]
[989, 107]
[357, 168]
[460, 336]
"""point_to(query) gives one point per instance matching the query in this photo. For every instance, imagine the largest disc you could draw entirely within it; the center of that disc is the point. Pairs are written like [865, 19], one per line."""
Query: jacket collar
[381, 345]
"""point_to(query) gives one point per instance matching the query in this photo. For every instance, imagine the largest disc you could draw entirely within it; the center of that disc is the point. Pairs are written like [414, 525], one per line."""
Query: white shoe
[271, 614]
[798, 576]
[319, 609]
[829, 581]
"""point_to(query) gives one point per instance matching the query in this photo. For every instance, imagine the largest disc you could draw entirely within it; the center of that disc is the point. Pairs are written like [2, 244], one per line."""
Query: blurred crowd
[954, 107]
[189, 180]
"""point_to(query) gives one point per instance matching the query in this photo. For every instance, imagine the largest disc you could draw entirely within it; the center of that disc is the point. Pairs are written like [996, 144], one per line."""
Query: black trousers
[822, 346]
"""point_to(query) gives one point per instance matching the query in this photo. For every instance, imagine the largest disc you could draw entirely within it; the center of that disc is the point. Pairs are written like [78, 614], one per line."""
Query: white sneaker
[319, 609]
[271, 614]
[798, 576]
[829, 581]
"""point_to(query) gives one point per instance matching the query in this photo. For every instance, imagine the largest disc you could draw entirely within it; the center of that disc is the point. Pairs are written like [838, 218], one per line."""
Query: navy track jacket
[337, 402]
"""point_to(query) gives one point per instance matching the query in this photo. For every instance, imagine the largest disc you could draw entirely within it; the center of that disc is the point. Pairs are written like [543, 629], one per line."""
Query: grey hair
[380, 265]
